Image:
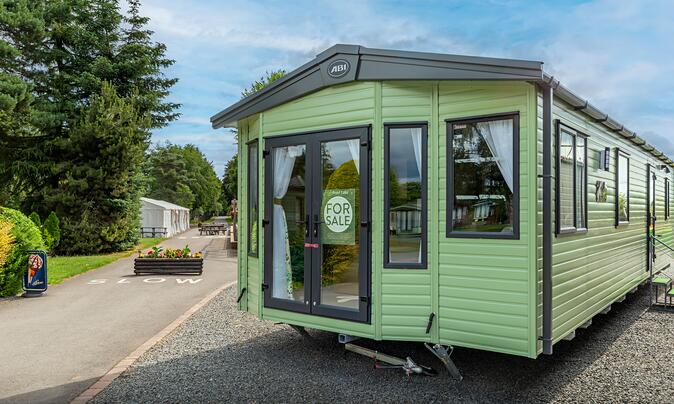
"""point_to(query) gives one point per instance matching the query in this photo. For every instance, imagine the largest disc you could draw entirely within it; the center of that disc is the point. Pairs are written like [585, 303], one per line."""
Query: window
[666, 198]
[483, 177]
[622, 200]
[571, 180]
[252, 198]
[405, 198]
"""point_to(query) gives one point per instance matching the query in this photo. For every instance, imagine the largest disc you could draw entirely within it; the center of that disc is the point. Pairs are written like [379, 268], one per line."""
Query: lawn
[62, 268]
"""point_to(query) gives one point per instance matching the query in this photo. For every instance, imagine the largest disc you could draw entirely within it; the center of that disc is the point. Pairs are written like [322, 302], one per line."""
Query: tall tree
[66, 51]
[99, 192]
[230, 180]
[182, 175]
[140, 65]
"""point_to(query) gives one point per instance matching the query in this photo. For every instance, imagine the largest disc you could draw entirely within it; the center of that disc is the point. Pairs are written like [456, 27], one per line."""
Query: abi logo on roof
[338, 68]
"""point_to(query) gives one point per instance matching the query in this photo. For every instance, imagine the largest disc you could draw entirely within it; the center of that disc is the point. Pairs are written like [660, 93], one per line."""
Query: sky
[619, 54]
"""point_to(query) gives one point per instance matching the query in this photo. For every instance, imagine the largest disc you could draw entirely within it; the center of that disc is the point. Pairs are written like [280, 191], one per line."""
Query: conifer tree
[64, 54]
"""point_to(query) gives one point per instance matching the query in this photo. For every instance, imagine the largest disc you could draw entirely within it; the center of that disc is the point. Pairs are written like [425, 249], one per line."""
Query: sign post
[35, 277]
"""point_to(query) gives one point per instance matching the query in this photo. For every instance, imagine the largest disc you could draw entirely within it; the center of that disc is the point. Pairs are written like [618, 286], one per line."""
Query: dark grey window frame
[559, 231]
[249, 209]
[450, 233]
[424, 195]
[623, 153]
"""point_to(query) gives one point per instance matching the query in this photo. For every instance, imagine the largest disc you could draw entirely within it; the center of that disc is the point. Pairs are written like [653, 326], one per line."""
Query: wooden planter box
[182, 266]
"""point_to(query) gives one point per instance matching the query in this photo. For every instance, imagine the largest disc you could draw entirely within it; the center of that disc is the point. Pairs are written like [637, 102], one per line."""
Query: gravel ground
[223, 355]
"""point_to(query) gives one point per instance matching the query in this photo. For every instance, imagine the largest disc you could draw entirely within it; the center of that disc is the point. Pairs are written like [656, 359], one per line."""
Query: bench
[153, 232]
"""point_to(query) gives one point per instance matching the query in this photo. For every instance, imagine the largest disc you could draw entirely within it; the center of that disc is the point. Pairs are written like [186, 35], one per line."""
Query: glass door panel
[339, 217]
[342, 239]
[287, 275]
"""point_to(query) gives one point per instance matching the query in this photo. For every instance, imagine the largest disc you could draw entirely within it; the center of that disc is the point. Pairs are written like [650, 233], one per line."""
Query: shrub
[35, 218]
[26, 237]
[51, 231]
[6, 241]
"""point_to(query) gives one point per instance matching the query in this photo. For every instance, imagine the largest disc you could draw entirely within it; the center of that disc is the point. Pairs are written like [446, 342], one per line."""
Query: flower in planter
[171, 253]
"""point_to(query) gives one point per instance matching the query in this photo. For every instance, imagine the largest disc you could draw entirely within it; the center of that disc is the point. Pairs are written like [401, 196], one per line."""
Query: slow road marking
[179, 281]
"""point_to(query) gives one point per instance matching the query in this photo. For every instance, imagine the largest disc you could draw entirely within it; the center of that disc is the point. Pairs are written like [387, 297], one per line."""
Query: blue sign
[35, 278]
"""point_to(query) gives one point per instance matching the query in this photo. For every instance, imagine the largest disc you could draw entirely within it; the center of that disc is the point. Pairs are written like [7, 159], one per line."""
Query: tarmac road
[53, 347]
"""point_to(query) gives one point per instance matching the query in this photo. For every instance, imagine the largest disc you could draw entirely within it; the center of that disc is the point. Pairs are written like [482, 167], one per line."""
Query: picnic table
[213, 229]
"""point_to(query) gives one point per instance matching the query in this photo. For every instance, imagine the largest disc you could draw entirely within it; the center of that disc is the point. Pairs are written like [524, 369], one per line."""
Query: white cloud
[617, 53]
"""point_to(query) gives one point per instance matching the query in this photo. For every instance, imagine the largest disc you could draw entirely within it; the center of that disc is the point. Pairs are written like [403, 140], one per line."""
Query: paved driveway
[83, 327]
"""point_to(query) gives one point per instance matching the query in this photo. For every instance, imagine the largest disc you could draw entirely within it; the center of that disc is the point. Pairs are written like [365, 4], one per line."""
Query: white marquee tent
[158, 214]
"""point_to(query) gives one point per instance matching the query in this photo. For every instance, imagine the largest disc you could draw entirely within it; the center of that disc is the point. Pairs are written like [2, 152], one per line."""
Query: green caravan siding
[406, 294]
[338, 106]
[351, 104]
[539, 220]
[254, 282]
[241, 189]
[248, 271]
[593, 269]
[487, 287]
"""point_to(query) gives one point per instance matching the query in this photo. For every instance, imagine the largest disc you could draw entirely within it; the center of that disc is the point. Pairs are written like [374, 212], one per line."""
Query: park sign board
[35, 277]
[338, 217]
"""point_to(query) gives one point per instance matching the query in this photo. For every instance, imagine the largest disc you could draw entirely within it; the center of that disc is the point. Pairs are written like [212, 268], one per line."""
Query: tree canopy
[262, 82]
[182, 175]
[81, 87]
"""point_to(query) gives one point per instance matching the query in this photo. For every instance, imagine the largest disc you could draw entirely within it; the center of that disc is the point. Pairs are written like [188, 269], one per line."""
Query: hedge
[26, 236]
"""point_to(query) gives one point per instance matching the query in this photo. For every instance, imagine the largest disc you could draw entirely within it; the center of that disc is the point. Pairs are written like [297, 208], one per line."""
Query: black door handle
[317, 223]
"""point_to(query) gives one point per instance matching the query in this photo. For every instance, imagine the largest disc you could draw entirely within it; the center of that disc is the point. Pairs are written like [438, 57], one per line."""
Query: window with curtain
[253, 198]
[571, 180]
[405, 196]
[483, 177]
[622, 188]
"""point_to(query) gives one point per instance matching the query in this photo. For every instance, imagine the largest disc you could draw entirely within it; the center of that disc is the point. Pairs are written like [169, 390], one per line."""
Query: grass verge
[62, 268]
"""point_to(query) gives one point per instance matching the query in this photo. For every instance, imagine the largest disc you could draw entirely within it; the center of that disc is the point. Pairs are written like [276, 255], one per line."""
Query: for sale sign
[35, 278]
[338, 212]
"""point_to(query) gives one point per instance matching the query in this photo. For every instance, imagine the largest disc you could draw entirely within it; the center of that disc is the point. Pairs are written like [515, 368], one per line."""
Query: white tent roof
[163, 204]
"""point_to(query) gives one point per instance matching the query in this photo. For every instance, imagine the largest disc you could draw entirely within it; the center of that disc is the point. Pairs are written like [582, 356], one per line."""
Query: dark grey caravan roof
[344, 63]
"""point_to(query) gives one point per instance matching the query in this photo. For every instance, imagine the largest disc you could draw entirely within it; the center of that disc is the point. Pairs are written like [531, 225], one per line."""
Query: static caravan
[453, 200]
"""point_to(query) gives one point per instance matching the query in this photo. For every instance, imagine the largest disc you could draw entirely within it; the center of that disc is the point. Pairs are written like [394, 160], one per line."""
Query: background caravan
[454, 200]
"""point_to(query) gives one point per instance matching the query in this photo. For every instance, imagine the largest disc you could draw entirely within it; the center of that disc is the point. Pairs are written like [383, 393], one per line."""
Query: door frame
[313, 165]
[267, 281]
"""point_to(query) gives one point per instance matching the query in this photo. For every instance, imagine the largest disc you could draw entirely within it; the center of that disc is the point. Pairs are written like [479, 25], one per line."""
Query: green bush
[35, 218]
[51, 231]
[26, 237]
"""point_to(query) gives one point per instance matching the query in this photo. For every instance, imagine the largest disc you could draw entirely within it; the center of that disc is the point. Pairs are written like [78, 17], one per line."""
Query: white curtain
[499, 138]
[284, 161]
[416, 144]
[354, 150]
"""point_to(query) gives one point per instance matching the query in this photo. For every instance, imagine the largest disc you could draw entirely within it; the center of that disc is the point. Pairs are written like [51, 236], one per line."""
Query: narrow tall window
[571, 180]
[666, 198]
[405, 198]
[483, 177]
[622, 188]
[252, 199]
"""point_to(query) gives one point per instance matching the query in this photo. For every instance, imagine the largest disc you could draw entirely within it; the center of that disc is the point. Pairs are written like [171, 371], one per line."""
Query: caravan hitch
[444, 354]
